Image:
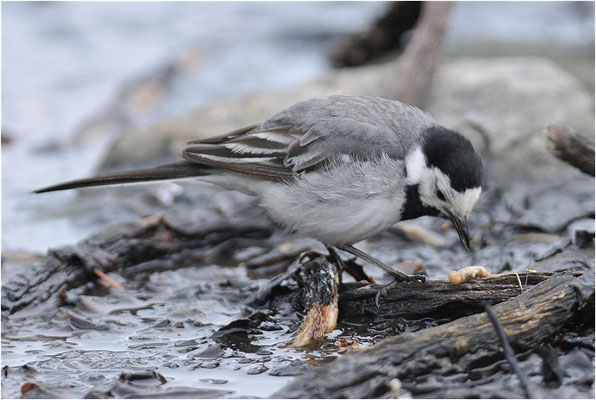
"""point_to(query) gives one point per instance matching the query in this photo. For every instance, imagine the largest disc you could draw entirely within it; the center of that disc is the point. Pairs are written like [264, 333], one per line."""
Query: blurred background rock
[93, 87]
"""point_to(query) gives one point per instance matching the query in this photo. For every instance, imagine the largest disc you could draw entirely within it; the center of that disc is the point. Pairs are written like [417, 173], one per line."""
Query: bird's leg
[399, 276]
[334, 257]
[349, 266]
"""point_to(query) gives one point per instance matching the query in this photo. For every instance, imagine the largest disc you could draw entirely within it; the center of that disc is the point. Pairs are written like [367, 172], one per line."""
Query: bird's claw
[382, 290]
[308, 255]
[377, 297]
[401, 277]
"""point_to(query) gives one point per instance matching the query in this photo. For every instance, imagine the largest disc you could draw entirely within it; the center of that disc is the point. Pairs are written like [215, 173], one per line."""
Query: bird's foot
[383, 289]
[399, 278]
[308, 256]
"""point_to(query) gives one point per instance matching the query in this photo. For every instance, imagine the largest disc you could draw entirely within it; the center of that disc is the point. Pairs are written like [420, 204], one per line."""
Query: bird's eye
[440, 195]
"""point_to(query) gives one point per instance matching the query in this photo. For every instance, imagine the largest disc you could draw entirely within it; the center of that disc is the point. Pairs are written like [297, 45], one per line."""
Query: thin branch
[509, 353]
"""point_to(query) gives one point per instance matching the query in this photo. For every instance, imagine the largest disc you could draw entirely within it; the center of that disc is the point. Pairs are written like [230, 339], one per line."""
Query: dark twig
[509, 353]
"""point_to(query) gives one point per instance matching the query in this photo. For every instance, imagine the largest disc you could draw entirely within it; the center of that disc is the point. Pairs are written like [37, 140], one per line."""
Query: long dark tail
[178, 170]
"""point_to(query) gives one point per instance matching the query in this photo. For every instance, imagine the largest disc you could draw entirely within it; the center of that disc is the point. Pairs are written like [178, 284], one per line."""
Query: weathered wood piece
[361, 302]
[319, 280]
[571, 147]
[146, 245]
[416, 66]
[432, 299]
[450, 349]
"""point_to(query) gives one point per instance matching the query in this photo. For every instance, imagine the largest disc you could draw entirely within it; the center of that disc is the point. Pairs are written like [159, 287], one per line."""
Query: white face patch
[415, 165]
[464, 202]
[434, 184]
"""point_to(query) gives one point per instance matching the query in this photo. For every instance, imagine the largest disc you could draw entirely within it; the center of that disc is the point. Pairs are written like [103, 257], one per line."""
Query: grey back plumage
[312, 132]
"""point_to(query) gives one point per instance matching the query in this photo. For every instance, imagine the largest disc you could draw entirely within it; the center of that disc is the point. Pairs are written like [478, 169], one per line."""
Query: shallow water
[168, 325]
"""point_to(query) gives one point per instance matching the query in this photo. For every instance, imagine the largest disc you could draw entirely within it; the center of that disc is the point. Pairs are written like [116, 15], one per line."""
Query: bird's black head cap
[455, 156]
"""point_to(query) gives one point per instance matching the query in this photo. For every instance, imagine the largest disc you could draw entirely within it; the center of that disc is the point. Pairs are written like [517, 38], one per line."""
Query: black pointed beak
[461, 226]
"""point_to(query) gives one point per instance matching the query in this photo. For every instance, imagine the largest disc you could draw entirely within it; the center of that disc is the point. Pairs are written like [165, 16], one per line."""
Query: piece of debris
[551, 369]
[420, 234]
[110, 282]
[346, 344]
[320, 282]
[569, 146]
[395, 385]
[130, 376]
[468, 274]
[79, 322]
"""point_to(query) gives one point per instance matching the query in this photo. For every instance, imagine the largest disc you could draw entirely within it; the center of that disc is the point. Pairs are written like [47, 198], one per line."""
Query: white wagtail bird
[338, 169]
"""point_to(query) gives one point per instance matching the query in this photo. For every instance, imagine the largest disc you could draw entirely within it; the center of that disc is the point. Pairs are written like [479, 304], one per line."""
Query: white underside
[344, 204]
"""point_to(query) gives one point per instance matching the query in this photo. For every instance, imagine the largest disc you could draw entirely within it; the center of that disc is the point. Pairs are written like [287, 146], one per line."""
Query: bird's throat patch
[413, 207]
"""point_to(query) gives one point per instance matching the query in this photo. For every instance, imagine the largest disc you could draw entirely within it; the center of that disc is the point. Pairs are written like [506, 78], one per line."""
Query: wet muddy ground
[181, 325]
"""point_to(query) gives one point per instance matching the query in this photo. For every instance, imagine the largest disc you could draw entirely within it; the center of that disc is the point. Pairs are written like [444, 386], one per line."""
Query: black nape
[455, 156]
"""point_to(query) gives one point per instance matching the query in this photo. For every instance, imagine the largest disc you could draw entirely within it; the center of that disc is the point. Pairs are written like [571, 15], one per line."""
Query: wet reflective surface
[192, 326]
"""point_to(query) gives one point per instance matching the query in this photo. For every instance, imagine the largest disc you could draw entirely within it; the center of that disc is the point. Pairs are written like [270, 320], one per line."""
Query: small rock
[210, 364]
[162, 323]
[257, 369]
[270, 326]
[290, 370]
[212, 351]
[184, 343]
[214, 381]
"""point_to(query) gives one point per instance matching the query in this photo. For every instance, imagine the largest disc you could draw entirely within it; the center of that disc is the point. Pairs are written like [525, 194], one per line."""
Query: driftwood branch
[311, 288]
[361, 302]
[571, 147]
[416, 66]
[432, 299]
[143, 246]
[453, 348]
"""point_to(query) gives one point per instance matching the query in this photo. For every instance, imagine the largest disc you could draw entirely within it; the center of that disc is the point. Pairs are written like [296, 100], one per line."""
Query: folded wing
[309, 134]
